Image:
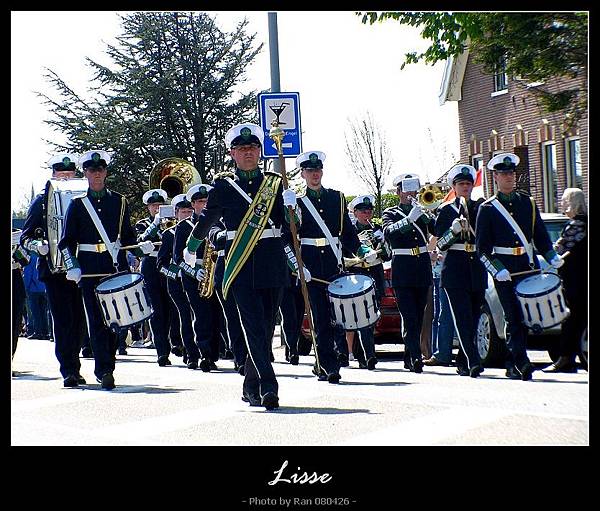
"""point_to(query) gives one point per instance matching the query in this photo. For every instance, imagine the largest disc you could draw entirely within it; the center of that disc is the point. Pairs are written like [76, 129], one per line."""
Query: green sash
[250, 229]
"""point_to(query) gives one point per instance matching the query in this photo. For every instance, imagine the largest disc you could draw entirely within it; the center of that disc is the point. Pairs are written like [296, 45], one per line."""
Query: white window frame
[497, 75]
[571, 171]
[551, 202]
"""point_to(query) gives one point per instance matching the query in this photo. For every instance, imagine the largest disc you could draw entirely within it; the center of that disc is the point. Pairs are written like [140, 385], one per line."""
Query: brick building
[498, 114]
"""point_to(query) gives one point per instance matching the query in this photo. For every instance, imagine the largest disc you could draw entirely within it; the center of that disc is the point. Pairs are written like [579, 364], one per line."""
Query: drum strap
[528, 247]
[334, 246]
[113, 248]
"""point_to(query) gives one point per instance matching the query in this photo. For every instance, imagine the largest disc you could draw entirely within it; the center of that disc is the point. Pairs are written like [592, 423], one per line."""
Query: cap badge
[313, 157]
[66, 161]
[245, 132]
[507, 160]
[95, 157]
[155, 195]
[465, 170]
[366, 200]
[202, 189]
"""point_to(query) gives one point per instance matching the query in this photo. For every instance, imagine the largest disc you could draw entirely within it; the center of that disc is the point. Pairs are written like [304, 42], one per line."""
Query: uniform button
[320, 211]
[99, 209]
[322, 251]
[249, 182]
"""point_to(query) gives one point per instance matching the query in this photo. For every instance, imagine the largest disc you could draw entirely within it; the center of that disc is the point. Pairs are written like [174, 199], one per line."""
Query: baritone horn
[174, 176]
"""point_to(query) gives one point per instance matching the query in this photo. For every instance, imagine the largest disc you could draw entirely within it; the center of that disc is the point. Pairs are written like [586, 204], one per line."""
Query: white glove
[370, 256]
[200, 272]
[503, 275]
[378, 235]
[157, 219]
[74, 274]
[557, 261]
[289, 197]
[307, 275]
[146, 247]
[416, 212]
[456, 226]
[188, 257]
[42, 247]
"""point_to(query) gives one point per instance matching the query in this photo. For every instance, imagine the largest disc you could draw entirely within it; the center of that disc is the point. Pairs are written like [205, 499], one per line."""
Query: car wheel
[491, 348]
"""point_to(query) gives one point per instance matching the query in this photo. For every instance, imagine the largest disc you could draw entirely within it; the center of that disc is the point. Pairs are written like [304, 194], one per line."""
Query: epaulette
[224, 174]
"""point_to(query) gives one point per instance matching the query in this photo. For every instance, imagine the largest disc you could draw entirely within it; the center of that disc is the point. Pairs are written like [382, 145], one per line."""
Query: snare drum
[352, 301]
[124, 300]
[542, 301]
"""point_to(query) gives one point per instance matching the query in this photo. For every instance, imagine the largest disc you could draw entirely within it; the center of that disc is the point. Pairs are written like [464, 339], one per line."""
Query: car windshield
[554, 229]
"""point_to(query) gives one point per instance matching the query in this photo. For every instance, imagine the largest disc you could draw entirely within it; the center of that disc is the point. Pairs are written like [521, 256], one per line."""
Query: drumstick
[359, 260]
[97, 275]
[315, 279]
[127, 247]
[537, 269]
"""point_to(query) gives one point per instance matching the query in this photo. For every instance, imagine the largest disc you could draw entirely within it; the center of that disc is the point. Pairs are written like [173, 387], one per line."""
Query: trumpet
[429, 197]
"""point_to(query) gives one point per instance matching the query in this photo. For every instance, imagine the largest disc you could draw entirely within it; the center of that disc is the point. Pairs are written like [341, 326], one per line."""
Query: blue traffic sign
[285, 108]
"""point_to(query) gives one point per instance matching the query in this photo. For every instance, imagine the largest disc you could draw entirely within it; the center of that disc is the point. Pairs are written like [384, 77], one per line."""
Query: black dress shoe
[107, 381]
[270, 401]
[334, 377]
[177, 351]
[228, 355]
[562, 365]
[512, 373]
[205, 365]
[417, 366]
[294, 359]
[70, 381]
[87, 353]
[241, 369]
[251, 399]
[527, 372]
[80, 379]
[343, 360]
[475, 371]
[462, 371]
[122, 351]
[371, 363]
[192, 364]
[164, 361]
[321, 375]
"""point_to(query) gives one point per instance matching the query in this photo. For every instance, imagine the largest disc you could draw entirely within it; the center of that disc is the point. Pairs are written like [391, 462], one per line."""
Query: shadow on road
[326, 411]
[26, 375]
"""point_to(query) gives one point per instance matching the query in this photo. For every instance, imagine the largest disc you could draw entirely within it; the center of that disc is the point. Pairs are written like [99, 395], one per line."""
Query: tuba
[209, 258]
[174, 176]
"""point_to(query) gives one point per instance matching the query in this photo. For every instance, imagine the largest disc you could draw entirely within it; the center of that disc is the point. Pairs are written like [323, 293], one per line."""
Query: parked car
[491, 341]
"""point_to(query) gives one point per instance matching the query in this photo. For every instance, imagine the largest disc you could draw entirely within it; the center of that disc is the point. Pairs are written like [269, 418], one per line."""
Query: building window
[574, 169]
[500, 79]
[550, 177]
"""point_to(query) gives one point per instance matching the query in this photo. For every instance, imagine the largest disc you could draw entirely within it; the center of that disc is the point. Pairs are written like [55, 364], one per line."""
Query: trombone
[429, 197]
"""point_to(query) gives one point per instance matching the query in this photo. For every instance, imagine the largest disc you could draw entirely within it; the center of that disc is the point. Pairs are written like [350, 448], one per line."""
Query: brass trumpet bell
[174, 176]
[430, 196]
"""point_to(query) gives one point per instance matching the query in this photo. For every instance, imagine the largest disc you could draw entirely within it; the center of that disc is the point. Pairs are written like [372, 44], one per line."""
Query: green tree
[534, 46]
[173, 90]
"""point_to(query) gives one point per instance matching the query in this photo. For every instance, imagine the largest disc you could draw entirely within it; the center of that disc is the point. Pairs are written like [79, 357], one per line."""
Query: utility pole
[274, 60]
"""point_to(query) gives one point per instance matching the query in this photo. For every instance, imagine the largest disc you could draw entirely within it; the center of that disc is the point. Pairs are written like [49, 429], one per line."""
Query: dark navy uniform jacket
[182, 232]
[165, 253]
[408, 270]
[460, 269]
[266, 267]
[79, 228]
[36, 218]
[331, 205]
[493, 230]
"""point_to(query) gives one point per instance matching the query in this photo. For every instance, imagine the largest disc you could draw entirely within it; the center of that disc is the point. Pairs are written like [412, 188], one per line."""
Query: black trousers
[174, 324]
[233, 328]
[258, 310]
[68, 321]
[325, 330]
[292, 314]
[184, 313]
[573, 327]
[464, 308]
[18, 306]
[159, 298]
[202, 319]
[516, 331]
[411, 303]
[102, 339]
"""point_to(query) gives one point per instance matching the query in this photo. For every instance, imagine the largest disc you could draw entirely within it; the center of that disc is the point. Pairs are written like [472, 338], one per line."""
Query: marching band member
[362, 209]
[508, 224]
[255, 266]
[20, 259]
[148, 229]
[463, 278]
[167, 266]
[64, 297]
[204, 353]
[407, 229]
[97, 224]
[325, 229]
[232, 326]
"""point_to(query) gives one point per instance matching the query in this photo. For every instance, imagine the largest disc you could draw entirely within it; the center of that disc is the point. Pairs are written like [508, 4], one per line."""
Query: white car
[491, 338]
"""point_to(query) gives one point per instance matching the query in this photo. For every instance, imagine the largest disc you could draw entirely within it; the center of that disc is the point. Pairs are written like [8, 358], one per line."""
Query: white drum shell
[124, 300]
[353, 303]
[542, 301]
[59, 193]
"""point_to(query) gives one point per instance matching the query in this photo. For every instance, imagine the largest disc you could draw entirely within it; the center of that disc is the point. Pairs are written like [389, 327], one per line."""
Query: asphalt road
[175, 406]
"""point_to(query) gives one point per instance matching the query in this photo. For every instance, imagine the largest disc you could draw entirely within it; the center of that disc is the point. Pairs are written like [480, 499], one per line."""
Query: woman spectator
[573, 246]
